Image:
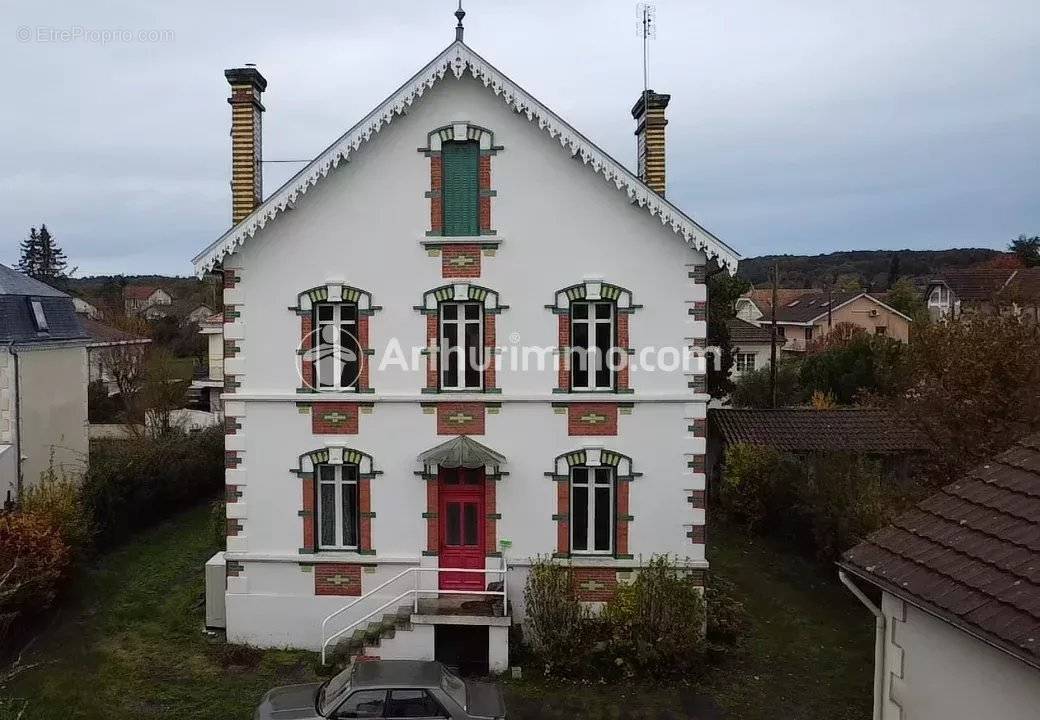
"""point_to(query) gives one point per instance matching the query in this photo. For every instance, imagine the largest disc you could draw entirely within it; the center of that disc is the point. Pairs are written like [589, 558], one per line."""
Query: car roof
[397, 673]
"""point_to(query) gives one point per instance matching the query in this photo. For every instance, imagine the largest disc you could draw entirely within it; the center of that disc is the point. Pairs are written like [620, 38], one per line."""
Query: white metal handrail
[415, 593]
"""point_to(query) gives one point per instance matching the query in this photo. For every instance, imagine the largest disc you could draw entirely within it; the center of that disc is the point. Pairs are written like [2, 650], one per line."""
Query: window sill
[434, 242]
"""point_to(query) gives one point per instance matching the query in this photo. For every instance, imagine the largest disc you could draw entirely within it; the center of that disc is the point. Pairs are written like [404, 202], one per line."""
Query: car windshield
[455, 688]
[333, 691]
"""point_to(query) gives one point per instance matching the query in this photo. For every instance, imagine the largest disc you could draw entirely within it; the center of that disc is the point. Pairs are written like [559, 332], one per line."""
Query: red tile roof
[138, 292]
[863, 430]
[971, 553]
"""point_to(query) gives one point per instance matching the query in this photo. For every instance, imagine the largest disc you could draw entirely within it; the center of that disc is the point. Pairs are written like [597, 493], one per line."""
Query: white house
[370, 448]
[208, 382]
[140, 299]
[751, 346]
[958, 624]
[43, 383]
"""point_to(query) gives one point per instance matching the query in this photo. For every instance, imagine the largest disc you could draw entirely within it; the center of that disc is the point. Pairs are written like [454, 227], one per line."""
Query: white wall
[559, 223]
[936, 672]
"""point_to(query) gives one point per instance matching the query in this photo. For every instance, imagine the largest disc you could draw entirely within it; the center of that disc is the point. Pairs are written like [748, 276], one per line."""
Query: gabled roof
[802, 307]
[970, 554]
[743, 332]
[101, 334]
[13, 282]
[975, 284]
[459, 59]
[862, 430]
[139, 292]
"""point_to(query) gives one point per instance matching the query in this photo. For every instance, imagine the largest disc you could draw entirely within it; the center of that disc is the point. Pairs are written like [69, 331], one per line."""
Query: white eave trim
[868, 296]
[459, 58]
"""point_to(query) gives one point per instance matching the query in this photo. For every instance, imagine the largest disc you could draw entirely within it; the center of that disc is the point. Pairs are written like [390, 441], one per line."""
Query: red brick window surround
[594, 347]
[482, 141]
[461, 338]
[334, 350]
[336, 482]
[592, 503]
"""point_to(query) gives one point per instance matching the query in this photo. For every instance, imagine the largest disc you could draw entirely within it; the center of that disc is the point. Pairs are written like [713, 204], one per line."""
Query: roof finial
[460, 13]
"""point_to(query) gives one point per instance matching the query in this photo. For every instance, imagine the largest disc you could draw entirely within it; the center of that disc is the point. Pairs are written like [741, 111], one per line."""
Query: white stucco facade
[556, 224]
[935, 671]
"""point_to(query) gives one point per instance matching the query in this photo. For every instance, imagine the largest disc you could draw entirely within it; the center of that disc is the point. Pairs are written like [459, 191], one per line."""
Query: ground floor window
[337, 507]
[592, 510]
[744, 362]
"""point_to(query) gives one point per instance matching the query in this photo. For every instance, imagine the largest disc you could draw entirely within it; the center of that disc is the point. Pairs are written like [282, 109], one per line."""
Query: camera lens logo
[329, 358]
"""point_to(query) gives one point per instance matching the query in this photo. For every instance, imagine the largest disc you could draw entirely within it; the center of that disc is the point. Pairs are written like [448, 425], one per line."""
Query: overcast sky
[801, 126]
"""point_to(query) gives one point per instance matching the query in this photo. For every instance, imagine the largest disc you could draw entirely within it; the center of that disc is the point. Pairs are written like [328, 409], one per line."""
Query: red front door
[461, 516]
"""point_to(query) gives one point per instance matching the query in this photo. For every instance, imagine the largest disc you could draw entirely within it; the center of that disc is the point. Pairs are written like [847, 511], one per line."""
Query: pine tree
[29, 263]
[52, 260]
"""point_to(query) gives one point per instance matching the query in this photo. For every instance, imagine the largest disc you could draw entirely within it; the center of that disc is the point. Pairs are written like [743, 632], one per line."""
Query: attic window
[39, 317]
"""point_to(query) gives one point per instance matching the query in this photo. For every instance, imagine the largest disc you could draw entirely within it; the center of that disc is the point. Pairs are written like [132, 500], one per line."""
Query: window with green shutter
[461, 192]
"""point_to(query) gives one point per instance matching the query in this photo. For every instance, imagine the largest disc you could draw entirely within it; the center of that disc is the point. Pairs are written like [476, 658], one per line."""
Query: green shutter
[461, 163]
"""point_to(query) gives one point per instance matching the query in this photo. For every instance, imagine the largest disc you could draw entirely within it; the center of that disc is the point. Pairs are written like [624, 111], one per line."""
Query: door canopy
[462, 451]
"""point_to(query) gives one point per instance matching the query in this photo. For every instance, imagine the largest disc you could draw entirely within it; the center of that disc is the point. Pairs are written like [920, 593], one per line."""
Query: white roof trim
[458, 58]
[853, 299]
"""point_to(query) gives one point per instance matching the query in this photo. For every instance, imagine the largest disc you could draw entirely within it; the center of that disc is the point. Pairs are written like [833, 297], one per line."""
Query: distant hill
[186, 290]
[871, 268]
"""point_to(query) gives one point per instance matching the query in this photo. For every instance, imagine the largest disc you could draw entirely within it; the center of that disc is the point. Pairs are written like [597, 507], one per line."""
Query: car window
[413, 704]
[455, 688]
[362, 704]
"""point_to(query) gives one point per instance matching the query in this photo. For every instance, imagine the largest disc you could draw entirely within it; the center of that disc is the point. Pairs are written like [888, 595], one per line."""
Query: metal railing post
[415, 599]
[505, 586]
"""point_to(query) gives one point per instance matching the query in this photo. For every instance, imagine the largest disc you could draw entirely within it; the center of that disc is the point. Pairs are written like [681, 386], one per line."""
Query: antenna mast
[647, 15]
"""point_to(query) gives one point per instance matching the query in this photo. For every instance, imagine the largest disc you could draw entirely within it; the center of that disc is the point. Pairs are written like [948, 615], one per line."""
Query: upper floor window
[337, 507]
[593, 344]
[592, 510]
[461, 345]
[337, 349]
[461, 187]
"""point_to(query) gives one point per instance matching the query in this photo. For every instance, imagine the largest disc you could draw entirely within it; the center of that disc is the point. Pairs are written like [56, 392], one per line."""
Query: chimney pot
[247, 178]
[649, 115]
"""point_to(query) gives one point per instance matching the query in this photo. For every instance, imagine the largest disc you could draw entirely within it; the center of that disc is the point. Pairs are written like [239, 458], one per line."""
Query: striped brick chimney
[650, 121]
[247, 177]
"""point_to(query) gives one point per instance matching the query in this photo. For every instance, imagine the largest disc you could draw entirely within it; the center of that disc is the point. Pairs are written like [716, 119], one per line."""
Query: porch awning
[461, 451]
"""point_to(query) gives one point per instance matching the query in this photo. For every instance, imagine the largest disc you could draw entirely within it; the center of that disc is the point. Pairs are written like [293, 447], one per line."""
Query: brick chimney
[650, 121]
[247, 177]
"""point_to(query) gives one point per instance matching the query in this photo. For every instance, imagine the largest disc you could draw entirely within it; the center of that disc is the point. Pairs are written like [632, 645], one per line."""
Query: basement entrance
[463, 648]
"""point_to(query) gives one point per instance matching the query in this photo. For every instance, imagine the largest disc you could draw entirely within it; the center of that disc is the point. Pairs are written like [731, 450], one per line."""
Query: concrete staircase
[367, 642]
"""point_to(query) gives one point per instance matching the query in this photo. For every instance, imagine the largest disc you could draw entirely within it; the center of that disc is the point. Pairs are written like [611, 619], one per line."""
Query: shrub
[728, 620]
[759, 486]
[33, 561]
[556, 621]
[657, 621]
[218, 523]
[845, 499]
[752, 388]
[58, 499]
[135, 483]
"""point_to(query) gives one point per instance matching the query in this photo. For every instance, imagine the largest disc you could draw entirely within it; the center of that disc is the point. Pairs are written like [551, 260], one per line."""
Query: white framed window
[39, 317]
[337, 507]
[744, 362]
[592, 510]
[461, 346]
[336, 345]
[939, 296]
[593, 342]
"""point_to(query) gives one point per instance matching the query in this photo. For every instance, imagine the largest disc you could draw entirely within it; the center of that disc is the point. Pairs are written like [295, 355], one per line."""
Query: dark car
[386, 689]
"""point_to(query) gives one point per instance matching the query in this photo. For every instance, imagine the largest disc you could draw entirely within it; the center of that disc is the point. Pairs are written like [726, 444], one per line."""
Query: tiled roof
[971, 553]
[741, 331]
[1024, 287]
[101, 333]
[864, 430]
[13, 282]
[138, 292]
[802, 306]
[975, 283]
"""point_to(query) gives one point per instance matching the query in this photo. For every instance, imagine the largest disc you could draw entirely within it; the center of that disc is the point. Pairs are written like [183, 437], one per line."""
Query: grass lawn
[132, 646]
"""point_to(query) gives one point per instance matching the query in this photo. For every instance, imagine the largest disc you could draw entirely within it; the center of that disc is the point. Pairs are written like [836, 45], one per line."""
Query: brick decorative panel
[231, 459]
[436, 200]
[460, 419]
[460, 261]
[594, 584]
[592, 419]
[622, 340]
[697, 499]
[564, 342]
[337, 579]
[339, 418]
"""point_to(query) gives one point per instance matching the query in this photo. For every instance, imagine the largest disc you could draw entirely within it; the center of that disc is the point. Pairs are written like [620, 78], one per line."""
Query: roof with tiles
[862, 430]
[970, 554]
[741, 331]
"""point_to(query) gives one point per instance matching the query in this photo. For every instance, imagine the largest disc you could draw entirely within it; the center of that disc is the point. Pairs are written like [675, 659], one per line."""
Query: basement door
[461, 517]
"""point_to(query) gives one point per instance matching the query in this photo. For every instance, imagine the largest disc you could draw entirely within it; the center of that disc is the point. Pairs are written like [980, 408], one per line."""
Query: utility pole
[772, 338]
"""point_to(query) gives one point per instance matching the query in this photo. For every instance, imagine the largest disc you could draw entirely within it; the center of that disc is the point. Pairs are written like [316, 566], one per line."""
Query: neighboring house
[805, 315]
[807, 431]
[985, 291]
[196, 314]
[751, 346]
[43, 383]
[208, 382]
[85, 308]
[958, 627]
[108, 349]
[359, 474]
[141, 298]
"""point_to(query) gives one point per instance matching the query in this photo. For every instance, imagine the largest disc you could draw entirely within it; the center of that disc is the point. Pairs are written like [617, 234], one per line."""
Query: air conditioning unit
[874, 313]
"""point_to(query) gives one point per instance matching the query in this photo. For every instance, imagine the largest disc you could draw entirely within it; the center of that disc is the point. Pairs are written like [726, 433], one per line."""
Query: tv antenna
[647, 16]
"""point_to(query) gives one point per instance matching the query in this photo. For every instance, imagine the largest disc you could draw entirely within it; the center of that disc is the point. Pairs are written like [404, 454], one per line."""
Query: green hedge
[134, 483]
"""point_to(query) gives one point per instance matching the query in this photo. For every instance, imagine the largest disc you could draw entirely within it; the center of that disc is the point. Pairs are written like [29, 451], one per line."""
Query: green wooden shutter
[461, 162]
